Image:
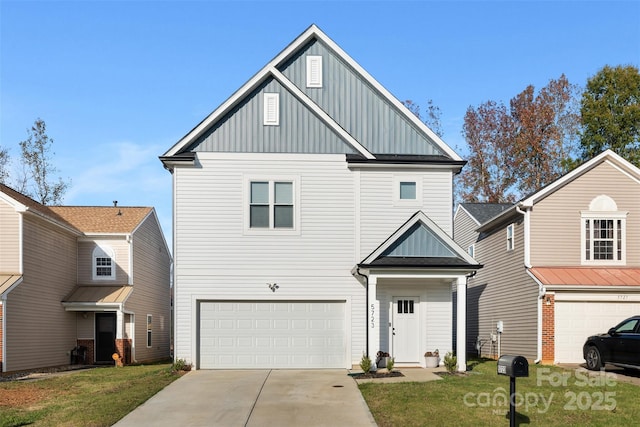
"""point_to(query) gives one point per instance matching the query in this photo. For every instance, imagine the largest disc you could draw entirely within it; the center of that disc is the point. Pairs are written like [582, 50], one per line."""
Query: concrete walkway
[255, 398]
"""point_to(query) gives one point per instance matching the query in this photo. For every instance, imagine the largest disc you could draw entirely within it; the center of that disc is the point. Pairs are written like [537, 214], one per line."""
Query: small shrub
[365, 363]
[390, 363]
[450, 362]
[181, 365]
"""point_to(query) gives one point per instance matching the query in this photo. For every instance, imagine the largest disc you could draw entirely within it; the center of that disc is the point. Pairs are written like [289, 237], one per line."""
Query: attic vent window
[314, 71]
[271, 109]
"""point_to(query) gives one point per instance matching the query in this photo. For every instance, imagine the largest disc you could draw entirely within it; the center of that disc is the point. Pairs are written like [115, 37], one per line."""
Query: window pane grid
[271, 204]
[603, 239]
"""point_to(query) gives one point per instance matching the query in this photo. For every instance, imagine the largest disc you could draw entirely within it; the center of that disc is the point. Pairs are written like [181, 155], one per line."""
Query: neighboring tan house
[559, 265]
[97, 277]
[313, 222]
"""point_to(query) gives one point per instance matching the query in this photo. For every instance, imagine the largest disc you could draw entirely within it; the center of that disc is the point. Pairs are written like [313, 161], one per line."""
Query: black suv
[620, 346]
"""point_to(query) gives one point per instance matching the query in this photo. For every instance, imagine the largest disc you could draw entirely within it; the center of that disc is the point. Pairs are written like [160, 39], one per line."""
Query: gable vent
[271, 109]
[314, 71]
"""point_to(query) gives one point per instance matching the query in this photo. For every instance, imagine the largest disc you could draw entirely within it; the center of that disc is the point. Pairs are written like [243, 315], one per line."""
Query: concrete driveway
[255, 398]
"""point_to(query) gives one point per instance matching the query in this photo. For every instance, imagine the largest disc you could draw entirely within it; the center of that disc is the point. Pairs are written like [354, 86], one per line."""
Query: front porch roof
[97, 298]
[9, 281]
[420, 244]
[587, 277]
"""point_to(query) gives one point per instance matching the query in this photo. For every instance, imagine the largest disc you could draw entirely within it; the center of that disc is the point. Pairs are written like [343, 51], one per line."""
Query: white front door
[405, 330]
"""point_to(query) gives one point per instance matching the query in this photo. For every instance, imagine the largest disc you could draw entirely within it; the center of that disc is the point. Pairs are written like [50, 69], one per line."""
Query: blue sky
[119, 82]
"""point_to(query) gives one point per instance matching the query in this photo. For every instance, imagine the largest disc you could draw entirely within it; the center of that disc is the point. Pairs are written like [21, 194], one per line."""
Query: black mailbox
[513, 366]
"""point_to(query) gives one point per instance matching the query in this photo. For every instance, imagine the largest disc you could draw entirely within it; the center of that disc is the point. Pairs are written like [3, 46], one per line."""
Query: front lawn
[550, 396]
[93, 397]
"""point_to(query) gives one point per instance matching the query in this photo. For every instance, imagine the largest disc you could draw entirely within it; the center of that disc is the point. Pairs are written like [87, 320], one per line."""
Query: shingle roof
[86, 219]
[483, 212]
[103, 219]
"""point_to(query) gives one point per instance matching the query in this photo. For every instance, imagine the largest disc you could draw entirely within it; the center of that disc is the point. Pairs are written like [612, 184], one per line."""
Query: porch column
[461, 333]
[373, 318]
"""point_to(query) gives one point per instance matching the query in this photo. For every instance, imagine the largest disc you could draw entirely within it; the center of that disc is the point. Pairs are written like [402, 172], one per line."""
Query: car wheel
[593, 359]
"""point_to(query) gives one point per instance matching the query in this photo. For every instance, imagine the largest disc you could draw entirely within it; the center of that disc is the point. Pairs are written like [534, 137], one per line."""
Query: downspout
[527, 264]
[366, 309]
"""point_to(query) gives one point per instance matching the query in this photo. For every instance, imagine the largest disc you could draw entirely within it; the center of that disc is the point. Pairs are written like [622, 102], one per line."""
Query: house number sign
[373, 320]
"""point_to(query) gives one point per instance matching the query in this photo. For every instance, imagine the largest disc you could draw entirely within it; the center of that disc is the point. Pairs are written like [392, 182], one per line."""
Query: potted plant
[432, 358]
[382, 359]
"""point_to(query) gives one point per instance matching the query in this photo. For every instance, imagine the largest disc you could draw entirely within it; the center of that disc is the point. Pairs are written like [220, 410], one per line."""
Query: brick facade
[123, 348]
[89, 344]
[548, 329]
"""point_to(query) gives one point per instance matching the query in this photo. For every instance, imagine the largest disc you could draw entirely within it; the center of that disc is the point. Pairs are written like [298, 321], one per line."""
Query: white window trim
[471, 250]
[397, 201]
[104, 250]
[511, 239]
[615, 216]
[314, 63]
[271, 179]
[271, 116]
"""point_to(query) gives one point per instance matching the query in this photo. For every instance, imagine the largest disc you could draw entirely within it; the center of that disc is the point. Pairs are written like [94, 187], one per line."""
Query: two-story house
[313, 222]
[95, 277]
[559, 265]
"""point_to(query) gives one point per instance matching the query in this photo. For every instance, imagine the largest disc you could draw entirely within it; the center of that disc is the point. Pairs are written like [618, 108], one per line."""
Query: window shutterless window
[271, 204]
[149, 329]
[604, 240]
[510, 238]
[103, 264]
[407, 190]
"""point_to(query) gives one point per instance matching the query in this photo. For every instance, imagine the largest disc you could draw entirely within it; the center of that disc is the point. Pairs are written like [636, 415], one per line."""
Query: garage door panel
[576, 320]
[260, 334]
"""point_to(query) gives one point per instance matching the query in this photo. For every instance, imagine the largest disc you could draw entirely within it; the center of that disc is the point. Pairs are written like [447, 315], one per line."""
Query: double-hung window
[603, 233]
[104, 267]
[272, 204]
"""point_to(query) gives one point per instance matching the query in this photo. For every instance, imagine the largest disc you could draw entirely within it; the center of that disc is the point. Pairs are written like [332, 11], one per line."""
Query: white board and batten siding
[218, 259]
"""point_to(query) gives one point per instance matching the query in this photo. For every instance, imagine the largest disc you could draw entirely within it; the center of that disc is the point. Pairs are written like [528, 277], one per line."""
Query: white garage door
[576, 320]
[272, 334]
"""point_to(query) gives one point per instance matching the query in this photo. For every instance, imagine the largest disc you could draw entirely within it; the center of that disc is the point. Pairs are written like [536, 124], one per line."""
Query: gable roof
[273, 70]
[482, 212]
[22, 203]
[607, 156]
[80, 219]
[419, 242]
[103, 219]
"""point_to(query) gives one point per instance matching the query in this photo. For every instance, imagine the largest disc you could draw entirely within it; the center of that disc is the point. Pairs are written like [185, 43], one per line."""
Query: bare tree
[37, 181]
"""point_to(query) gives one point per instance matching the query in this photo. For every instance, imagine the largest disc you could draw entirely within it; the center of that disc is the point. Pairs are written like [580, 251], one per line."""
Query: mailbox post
[513, 367]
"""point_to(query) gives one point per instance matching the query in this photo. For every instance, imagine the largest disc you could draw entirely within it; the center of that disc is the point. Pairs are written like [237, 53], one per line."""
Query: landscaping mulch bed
[373, 375]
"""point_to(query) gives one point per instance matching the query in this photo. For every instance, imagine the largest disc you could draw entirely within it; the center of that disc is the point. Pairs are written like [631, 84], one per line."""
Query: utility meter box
[513, 366]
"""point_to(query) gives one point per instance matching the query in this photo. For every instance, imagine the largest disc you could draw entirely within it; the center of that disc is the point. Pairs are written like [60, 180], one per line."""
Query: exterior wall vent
[271, 109]
[314, 71]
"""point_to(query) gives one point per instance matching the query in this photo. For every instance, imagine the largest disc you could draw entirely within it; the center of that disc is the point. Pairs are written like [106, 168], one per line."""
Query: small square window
[407, 190]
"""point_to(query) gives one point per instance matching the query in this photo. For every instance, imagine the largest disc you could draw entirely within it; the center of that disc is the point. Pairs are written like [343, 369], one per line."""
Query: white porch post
[461, 315]
[373, 318]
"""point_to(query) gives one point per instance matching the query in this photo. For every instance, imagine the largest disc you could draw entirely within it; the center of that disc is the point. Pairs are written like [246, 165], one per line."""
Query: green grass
[550, 396]
[95, 397]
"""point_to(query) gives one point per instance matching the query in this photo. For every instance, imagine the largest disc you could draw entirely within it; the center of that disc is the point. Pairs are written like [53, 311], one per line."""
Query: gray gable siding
[242, 129]
[419, 241]
[356, 106]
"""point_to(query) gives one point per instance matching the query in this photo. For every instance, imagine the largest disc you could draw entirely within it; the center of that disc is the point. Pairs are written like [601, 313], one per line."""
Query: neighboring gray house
[559, 265]
[97, 277]
[313, 222]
